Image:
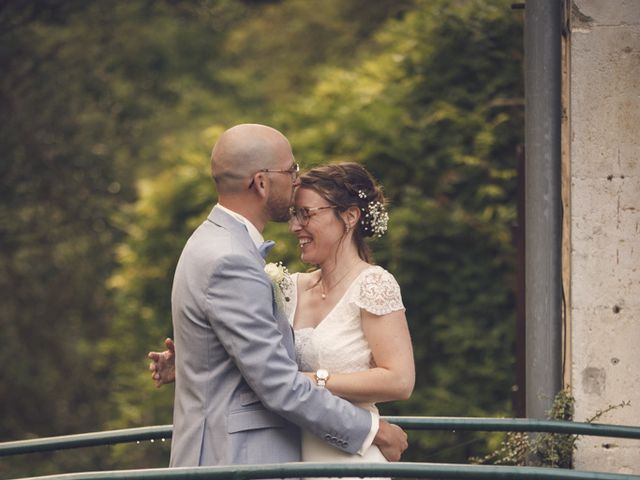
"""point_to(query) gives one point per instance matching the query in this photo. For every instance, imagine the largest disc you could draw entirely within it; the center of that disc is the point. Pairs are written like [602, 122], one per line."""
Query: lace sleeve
[379, 292]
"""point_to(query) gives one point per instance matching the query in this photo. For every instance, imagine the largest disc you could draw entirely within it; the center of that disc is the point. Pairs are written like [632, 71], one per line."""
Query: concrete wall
[604, 202]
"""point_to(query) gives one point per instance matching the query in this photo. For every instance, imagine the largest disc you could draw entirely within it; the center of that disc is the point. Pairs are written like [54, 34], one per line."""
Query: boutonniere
[279, 275]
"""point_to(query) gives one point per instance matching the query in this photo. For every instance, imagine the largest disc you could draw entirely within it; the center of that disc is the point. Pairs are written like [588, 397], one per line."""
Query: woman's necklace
[325, 293]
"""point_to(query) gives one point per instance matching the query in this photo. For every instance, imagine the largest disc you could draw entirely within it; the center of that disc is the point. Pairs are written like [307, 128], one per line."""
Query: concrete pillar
[604, 170]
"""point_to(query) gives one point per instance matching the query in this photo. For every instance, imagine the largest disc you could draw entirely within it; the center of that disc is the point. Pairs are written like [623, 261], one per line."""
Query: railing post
[543, 222]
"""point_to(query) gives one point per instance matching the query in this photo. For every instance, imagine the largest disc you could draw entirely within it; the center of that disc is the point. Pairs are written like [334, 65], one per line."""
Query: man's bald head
[243, 150]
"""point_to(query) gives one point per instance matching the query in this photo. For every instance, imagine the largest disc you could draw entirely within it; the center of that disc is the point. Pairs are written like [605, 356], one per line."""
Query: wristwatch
[322, 375]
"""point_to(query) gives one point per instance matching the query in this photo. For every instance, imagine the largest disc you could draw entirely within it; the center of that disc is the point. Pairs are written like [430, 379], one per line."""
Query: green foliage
[59, 180]
[270, 70]
[170, 207]
[87, 90]
[543, 449]
[111, 113]
[442, 135]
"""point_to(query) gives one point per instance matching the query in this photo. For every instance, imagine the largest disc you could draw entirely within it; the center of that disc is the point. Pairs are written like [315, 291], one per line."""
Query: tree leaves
[109, 115]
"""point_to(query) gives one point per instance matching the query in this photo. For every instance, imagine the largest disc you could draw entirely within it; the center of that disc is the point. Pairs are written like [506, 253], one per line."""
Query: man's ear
[261, 184]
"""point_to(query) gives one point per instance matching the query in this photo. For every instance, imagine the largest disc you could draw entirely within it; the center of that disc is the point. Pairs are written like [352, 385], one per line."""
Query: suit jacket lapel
[238, 230]
[286, 330]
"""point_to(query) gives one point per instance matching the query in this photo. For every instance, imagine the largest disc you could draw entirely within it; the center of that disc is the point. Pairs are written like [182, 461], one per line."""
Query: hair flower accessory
[282, 283]
[375, 218]
[378, 218]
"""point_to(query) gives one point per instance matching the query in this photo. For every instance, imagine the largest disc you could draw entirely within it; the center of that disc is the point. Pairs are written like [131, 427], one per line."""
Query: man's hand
[163, 364]
[391, 440]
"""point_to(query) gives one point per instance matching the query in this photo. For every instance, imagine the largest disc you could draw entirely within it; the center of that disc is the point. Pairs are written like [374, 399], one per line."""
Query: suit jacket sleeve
[240, 310]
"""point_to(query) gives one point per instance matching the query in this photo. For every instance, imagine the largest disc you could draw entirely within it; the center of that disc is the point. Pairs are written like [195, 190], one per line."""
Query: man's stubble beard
[278, 207]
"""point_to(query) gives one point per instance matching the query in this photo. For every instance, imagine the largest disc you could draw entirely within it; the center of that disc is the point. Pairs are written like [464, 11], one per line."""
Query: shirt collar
[254, 233]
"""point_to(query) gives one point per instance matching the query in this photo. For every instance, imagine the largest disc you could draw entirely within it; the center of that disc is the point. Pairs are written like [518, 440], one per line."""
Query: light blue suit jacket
[239, 397]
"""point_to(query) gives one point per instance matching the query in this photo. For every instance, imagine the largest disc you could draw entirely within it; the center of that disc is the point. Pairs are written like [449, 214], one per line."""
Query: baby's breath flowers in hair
[375, 218]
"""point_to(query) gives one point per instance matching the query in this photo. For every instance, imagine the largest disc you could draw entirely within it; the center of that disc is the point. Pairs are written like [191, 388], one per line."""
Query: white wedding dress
[338, 344]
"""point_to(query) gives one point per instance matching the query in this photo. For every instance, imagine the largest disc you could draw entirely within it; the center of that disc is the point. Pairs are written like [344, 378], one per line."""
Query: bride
[350, 328]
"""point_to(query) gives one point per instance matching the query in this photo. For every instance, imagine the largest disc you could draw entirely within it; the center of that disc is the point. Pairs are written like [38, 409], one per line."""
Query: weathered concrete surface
[604, 80]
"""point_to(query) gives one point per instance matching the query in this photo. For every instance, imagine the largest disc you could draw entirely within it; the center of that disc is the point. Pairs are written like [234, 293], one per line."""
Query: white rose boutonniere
[281, 280]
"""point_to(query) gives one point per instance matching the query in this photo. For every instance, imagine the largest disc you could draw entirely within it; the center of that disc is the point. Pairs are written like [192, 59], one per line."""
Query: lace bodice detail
[338, 342]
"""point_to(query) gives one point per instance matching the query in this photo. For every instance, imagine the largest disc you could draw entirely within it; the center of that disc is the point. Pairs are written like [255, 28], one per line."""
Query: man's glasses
[303, 214]
[293, 171]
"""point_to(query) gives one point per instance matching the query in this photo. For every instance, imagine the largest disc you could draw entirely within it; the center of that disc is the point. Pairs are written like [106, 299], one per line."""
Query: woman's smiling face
[320, 237]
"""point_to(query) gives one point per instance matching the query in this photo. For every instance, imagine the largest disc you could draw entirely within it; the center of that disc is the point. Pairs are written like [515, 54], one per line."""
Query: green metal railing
[289, 470]
[85, 440]
[162, 432]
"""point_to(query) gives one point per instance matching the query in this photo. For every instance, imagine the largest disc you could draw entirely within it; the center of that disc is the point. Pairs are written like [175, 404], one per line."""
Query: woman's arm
[393, 376]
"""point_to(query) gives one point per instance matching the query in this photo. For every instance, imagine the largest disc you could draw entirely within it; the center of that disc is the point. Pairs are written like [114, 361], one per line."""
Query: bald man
[239, 398]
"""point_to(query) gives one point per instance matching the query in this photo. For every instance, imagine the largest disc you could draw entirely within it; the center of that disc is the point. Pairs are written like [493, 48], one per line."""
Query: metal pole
[543, 216]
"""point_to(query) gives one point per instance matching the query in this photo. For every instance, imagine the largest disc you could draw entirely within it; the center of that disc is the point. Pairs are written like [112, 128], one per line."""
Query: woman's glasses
[303, 214]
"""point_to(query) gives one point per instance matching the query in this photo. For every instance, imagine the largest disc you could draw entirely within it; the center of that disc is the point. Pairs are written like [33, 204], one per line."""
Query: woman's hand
[163, 364]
